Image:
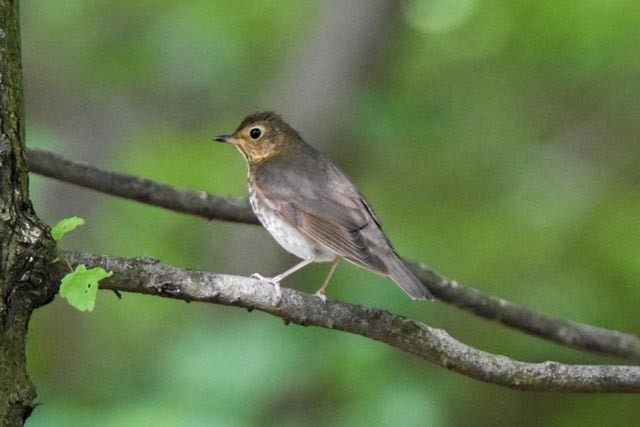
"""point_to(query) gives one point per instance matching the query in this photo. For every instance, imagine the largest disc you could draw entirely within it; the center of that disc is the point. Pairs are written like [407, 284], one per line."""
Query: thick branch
[148, 276]
[561, 331]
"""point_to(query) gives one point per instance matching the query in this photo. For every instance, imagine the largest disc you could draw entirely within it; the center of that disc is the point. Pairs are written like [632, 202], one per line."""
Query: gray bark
[148, 276]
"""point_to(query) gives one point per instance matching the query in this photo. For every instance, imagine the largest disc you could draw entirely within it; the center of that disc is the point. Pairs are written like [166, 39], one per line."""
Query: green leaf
[80, 287]
[66, 225]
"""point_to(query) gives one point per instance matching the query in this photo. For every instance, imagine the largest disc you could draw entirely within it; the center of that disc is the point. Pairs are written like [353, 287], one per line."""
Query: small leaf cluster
[80, 287]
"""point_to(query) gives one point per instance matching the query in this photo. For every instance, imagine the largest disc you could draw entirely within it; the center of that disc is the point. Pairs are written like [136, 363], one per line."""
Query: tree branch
[142, 190]
[148, 276]
[561, 331]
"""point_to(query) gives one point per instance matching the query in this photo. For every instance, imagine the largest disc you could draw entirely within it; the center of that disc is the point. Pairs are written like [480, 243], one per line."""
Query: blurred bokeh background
[498, 141]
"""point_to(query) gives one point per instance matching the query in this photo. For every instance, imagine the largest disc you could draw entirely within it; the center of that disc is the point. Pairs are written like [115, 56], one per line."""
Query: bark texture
[148, 276]
[26, 247]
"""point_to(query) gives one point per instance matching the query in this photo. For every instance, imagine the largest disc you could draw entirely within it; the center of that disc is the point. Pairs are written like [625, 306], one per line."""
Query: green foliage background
[497, 140]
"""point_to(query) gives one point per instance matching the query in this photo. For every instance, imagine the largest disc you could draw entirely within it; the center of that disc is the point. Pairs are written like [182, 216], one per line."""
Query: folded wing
[326, 206]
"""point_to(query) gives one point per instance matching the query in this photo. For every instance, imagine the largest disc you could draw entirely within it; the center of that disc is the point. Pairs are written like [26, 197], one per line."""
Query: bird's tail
[407, 281]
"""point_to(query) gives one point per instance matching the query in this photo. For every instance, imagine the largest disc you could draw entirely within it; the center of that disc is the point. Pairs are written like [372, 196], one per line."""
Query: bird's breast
[287, 235]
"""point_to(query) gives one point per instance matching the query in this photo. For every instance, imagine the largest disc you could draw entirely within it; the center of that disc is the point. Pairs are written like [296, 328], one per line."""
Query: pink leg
[275, 281]
[321, 292]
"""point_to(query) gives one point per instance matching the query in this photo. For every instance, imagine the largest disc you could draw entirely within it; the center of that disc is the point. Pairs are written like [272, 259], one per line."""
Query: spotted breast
[287, 236]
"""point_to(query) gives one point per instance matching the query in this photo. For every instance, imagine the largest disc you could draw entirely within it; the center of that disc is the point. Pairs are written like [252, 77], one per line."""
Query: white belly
[288, 237]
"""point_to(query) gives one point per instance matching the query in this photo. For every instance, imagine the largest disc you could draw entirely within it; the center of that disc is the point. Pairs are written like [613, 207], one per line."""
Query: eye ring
[255, 133]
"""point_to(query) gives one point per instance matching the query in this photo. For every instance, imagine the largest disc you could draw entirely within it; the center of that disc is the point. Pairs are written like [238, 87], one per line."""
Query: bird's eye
[255, 133]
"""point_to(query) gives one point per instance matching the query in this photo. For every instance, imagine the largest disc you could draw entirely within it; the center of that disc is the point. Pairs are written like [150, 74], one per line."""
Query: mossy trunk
[26, 247]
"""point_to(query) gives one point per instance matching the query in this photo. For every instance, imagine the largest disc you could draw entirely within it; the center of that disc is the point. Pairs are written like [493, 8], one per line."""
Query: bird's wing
[325, 206]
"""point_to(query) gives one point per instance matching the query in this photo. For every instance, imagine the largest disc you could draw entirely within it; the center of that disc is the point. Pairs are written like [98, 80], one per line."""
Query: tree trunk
[26, 248]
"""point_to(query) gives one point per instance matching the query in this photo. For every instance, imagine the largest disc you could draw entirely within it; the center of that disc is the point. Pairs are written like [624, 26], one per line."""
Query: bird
[310, 207]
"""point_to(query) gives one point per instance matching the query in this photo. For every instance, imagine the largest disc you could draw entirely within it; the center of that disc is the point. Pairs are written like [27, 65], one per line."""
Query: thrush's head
[261, 136]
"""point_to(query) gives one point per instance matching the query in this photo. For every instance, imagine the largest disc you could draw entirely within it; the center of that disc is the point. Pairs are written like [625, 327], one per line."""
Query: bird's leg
[275, 281]
[321, 292]
[295, 268]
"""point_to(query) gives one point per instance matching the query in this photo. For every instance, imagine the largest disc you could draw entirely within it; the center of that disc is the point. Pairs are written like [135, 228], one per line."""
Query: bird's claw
[320, 294]
[274, 281]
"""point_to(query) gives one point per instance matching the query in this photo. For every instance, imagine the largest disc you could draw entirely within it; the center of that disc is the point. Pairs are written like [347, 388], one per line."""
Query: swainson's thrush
[310, 207]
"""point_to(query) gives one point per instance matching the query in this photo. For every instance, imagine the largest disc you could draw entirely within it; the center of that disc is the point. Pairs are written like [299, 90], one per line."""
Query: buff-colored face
[256, 140]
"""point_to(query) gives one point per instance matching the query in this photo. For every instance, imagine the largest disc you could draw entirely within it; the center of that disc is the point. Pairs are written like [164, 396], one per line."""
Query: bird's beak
[224, 138]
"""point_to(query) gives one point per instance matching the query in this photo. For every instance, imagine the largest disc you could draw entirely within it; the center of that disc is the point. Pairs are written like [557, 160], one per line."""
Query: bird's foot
[275, 281]
[320, 294]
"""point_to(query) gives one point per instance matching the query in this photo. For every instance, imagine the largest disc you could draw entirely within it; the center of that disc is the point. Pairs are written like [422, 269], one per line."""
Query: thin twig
[196, 203]
[148, 276]
[561, 331]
